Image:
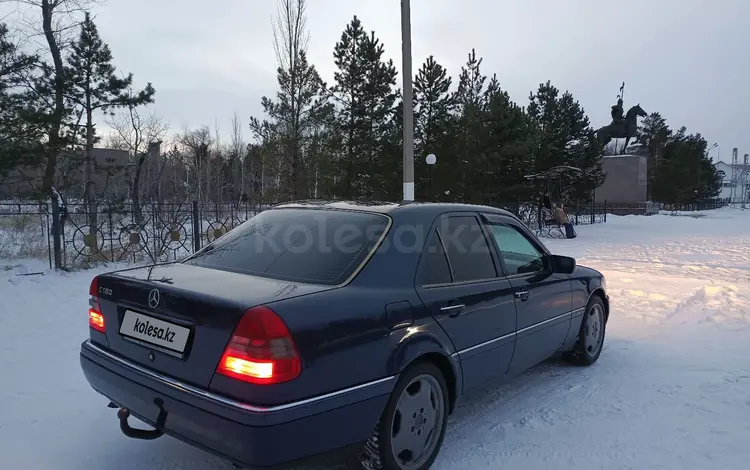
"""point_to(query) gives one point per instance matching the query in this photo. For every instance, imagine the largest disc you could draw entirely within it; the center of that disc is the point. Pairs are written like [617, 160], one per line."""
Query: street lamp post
[431, 160]
[408, 105]
[708, 152]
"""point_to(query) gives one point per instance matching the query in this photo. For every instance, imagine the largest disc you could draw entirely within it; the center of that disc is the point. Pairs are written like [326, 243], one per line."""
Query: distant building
[735, 181]
[110, 176]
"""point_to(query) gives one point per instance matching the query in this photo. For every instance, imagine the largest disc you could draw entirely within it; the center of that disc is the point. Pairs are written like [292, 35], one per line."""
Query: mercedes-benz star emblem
[153, 298]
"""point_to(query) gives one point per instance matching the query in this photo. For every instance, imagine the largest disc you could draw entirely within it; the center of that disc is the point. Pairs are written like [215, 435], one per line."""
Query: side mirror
[558, 264]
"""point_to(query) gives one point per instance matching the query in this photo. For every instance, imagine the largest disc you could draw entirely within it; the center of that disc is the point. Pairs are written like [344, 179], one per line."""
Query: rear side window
[468, 252]
[436, 269]
[297, 245]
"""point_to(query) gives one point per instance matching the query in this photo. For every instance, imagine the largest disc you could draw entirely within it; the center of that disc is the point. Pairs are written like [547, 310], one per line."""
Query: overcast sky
[688, 59]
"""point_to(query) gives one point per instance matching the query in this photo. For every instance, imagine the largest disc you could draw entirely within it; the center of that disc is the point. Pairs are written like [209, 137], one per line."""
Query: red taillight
[96, 319]
[261, 350]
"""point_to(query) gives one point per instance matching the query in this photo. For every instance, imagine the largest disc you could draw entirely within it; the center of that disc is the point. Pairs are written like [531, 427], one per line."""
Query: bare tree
[196, 144]
[237, 154]
[290, 36]
[140, 136]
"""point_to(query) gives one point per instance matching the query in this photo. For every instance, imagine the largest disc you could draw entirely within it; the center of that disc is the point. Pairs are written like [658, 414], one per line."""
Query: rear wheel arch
[446, 367]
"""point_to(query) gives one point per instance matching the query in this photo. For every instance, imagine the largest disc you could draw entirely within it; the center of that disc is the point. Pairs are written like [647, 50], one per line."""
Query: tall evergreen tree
[470, 132]
[685, 174]
[653, 136]
[433, 106]
[94, 86]
[365, 93]
[510, 144]
[56, 17]
[566, 138]
[22, 124]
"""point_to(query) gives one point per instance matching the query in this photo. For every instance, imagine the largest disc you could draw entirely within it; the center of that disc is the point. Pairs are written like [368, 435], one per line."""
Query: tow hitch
[123, 414]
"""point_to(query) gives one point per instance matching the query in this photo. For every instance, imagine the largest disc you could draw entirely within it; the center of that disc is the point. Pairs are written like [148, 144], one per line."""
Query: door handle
[523, 295]
[453, 310]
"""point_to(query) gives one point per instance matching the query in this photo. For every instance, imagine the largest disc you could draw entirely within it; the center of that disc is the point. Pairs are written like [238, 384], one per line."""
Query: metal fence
[157, 233]
[696, 206]
[578, 213]
[25, 231]
[74, 236]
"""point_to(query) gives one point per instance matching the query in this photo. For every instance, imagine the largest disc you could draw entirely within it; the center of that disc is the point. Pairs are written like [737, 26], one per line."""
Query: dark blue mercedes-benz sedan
[316, 329]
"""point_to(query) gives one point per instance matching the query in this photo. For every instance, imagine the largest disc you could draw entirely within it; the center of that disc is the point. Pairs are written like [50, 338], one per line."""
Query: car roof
[418, 207]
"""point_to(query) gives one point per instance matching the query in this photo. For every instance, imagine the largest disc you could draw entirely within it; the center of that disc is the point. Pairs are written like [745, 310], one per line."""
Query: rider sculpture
[623, 126]
[618, 114]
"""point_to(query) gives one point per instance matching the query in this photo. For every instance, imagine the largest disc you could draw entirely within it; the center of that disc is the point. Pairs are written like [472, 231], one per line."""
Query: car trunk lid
[177, 318]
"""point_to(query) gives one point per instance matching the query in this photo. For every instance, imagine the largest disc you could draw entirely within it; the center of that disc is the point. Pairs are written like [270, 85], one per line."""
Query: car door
[459, 284]
[543, 299]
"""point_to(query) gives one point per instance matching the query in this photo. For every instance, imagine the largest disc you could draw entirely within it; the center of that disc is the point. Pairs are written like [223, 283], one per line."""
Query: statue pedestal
[625, 186]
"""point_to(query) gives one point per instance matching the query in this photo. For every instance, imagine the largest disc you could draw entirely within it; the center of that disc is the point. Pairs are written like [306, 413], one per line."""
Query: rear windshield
[297, 245]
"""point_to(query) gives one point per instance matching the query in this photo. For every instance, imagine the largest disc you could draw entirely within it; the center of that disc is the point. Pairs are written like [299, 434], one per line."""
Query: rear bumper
[249, 435]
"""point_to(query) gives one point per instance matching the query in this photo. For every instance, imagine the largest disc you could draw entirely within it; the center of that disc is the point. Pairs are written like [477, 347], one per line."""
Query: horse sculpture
[627, 129]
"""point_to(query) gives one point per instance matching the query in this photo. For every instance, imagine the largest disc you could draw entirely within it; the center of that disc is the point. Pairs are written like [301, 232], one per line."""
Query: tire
[427, 414]
[590, 341]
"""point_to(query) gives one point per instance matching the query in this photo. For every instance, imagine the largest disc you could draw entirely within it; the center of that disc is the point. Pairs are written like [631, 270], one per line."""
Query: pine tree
[685, 174]
[95, 86]
[433, 106]
[293, 116]
[470, 135]
[511, 141]
[22, 124]
[348, 89]
[364, 91]
[653, 135]
[566, 138]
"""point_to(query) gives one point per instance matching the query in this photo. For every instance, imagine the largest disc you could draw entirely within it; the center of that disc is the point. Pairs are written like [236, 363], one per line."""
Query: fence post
[56, 239]
[605, 210]
[196, 227]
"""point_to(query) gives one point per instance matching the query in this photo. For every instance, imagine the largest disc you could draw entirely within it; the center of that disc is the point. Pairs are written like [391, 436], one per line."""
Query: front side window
[519, 255]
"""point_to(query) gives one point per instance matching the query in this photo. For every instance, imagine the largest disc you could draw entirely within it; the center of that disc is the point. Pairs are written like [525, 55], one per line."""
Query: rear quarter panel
[345, 336]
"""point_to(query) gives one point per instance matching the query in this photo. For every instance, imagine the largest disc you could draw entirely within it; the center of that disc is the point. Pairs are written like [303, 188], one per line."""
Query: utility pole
[408, 104]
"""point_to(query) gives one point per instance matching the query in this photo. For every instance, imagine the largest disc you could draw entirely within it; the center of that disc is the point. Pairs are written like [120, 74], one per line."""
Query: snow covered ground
[671, 390]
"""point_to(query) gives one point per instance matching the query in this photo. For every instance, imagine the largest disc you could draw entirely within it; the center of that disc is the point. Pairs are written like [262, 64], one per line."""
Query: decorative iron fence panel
[162, 232]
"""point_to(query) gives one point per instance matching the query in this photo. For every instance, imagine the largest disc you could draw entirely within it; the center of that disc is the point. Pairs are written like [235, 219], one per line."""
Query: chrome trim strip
[501, 338]
[372, 251]
[486, 343]
[574, 312]
[535, 325]
[224, 400]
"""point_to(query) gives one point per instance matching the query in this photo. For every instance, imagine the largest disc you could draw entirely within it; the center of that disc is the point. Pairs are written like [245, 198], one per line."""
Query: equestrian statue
[621, 127]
